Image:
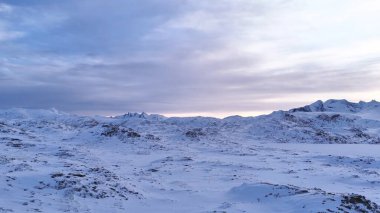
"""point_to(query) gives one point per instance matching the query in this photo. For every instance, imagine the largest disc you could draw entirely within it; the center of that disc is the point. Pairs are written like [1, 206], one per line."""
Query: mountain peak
[337, 105]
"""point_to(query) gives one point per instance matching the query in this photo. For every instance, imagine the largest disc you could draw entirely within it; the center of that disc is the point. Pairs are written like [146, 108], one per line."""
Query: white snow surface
[324, 157]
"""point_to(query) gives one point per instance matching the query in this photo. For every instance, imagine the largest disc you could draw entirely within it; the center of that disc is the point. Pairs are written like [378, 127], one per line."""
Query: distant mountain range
[332, 121]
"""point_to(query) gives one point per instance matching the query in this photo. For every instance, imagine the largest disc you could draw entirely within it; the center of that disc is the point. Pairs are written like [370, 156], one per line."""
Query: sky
[187, 57]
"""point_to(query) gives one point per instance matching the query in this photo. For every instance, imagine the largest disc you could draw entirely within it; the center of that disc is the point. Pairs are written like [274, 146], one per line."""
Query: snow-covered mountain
[333, 121]
[340, 106]
[321, 157]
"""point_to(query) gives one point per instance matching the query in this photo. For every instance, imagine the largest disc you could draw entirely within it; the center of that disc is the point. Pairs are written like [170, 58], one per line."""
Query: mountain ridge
[332, 121]
[330, 105]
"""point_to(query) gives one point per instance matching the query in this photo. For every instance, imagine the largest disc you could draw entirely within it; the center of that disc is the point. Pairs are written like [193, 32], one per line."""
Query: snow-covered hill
[321, 157]
[333, 121]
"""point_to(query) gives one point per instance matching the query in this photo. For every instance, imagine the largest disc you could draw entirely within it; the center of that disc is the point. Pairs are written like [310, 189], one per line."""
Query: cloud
[5, 8]
[5, 33]
[9, 35]
[186, 56]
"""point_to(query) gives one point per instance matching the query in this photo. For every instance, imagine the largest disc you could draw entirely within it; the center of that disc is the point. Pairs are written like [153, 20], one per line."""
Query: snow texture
[324, 157]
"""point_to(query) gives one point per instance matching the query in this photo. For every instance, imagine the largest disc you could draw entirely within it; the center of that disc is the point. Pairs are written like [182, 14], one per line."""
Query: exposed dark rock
[195, 133]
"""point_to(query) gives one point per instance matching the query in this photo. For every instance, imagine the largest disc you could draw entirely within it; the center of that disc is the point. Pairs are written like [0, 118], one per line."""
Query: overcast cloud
[179, 57]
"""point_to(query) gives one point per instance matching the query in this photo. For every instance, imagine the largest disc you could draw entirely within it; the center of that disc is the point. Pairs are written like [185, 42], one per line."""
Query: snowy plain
[324, 157]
